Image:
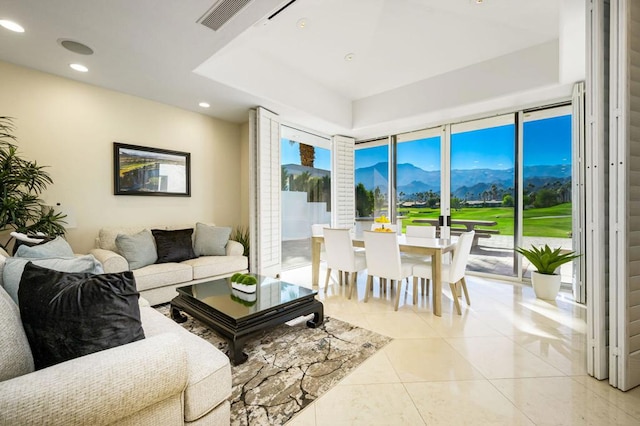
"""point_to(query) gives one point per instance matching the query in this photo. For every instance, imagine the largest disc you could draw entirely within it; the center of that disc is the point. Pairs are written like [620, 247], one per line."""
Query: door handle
[441, 220]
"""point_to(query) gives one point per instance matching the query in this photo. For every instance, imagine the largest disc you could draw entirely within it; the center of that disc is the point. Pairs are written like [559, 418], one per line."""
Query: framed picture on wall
[140, 170]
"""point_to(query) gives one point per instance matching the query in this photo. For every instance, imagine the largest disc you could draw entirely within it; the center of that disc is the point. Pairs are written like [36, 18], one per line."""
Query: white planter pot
[248, 297]
[545, 286]
[244, 288]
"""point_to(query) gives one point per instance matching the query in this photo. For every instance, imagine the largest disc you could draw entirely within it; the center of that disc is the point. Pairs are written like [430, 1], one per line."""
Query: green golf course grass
[543, 222]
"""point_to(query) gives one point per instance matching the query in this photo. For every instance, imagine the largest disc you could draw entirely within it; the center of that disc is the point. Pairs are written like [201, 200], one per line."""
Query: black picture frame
[141, 170]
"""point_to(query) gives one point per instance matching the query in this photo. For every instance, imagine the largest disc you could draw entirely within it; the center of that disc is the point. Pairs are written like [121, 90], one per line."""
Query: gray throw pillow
[14, 266]
[211, 240]
[58, 247]
[139, 249]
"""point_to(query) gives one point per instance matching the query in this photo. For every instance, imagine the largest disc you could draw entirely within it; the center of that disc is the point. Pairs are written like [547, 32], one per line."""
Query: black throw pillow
[173, 246]
[68, 315]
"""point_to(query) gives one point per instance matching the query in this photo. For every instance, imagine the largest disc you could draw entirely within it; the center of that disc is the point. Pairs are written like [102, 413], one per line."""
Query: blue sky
[371, 156]
[546, 142]
[490, 148]
[423, 153]
[291, 155]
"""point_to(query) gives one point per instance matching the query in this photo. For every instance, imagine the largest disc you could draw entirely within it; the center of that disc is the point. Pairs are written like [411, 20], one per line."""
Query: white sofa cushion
[211, 266]
[209, 371]
[106, 387]
[162, 274]
[107, 236]
[15, 352]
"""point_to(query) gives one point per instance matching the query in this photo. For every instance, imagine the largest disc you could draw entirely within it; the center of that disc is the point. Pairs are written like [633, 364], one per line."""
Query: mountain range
[412, 179]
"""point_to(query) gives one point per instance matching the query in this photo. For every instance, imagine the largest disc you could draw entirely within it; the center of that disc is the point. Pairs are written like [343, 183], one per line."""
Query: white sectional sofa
[157, 282]
[171, 377]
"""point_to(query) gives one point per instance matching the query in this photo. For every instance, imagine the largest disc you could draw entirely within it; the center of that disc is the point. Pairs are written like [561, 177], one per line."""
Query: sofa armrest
[111, 261]
[234, 248]
[100, 388]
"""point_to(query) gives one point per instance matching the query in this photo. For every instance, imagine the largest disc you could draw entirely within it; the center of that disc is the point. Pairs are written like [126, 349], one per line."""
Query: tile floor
[509, 359]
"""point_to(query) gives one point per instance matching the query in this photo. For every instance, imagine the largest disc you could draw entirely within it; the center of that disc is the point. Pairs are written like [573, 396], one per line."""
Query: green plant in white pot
[244, 282]
[546, 282]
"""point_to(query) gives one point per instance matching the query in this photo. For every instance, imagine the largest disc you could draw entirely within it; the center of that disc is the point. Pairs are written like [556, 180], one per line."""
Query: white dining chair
[452, 273]
[383, 261]
[415, 233]
[317, 229]
[420, 231]
[342, 257]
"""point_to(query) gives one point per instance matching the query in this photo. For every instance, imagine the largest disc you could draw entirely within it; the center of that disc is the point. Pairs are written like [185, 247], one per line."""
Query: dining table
[434, 247]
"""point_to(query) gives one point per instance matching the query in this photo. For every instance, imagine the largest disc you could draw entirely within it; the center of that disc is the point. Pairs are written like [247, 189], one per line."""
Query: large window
[371, 180]
[475, 163]
[547, 184]
[306, 192]
[418, 177]
[483, 191]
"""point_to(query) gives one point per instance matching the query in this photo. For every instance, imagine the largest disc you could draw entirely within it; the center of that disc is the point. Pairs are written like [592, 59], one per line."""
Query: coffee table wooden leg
[318, 316]
[236, 354]
[176, 315]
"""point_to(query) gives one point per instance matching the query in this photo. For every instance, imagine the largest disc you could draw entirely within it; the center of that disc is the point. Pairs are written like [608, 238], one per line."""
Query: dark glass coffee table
[236, 315]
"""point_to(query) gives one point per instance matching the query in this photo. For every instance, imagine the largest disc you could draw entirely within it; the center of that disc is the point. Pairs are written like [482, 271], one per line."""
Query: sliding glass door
[371, 182]
[419, 177]
[482, 191]
[547, 182]
[305, 191]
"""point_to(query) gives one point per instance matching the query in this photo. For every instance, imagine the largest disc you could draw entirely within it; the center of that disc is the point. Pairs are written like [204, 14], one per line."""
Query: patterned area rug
[290, 366]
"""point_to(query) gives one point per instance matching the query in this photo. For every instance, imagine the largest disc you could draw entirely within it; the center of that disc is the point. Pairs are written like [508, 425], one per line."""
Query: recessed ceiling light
[79, 67]
[349, 57]
[479, 1]
[11, 26]
[204, 105]
[302, 23]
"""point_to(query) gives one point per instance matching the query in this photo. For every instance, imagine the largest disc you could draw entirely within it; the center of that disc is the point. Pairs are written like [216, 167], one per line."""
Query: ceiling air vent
[222, 12]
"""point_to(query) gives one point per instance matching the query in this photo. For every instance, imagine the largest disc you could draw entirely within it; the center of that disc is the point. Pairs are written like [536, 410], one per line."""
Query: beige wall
[71, 126]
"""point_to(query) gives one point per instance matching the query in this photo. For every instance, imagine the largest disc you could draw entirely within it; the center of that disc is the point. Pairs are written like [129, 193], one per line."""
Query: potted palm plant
[546, 282]
[21, 184]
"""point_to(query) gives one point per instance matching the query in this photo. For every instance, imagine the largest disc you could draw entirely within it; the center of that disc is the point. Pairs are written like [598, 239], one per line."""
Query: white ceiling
[396, 42]
[157, 50]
